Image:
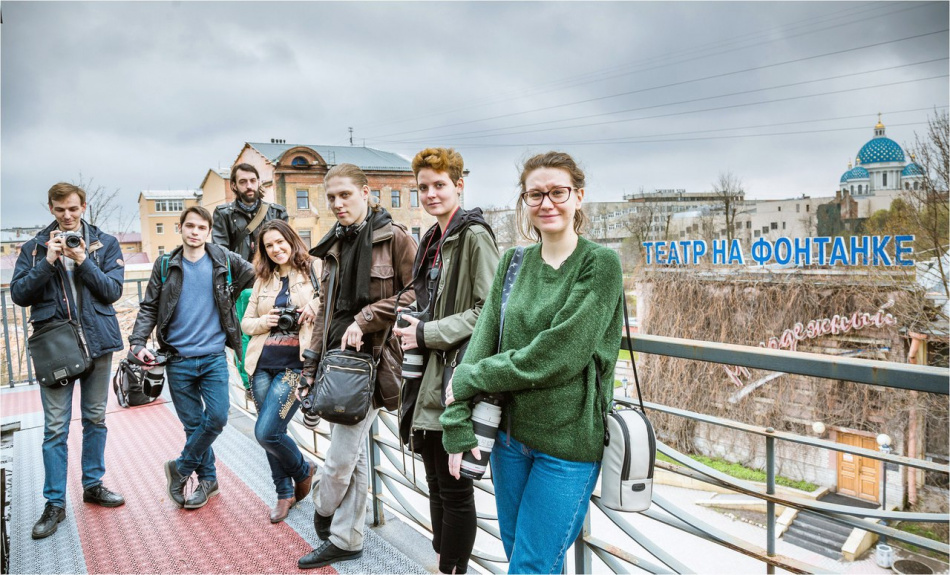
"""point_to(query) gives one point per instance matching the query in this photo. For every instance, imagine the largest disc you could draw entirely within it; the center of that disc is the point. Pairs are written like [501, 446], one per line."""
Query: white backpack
[626, 480]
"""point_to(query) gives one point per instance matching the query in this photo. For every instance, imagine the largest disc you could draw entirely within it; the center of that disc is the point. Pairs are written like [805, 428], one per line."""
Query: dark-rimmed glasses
[558, 195]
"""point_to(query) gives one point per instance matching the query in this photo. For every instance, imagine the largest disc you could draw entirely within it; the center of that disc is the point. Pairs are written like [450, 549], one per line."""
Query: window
[884, 179]
[161, 251]
[416, 234]
[783, 225]
[375, 194]
[413, 198]
[159, 228]
[798, 207]
[852, 190]
[765, 229]
[395, 198]
[757, 233]
[305, 236]
[807, 207]
[774, 225]
[859, 188]
[748, 225]
[916, 185]
[169, 205]
[299, 162]
[177, 228]
[906, 185]
[303, 200]
[780, 208]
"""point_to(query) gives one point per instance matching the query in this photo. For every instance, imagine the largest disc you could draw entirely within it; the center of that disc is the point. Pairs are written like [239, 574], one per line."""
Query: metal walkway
[150, 534]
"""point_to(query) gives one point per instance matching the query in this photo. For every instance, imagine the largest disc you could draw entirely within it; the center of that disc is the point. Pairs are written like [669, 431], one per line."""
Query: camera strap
[514, 266]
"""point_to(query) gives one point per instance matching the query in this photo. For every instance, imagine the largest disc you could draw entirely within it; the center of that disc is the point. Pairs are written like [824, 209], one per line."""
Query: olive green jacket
[475, 249]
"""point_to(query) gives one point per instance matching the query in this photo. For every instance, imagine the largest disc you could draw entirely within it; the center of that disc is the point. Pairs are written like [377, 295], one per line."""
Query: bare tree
[728, 190]
[502, 222]
[930, 218]
[104, 208]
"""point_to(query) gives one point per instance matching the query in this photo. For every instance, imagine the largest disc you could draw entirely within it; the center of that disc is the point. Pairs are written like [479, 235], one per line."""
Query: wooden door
[858, 476]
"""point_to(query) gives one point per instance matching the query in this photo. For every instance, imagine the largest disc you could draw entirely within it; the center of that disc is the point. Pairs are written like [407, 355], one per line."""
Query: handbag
[58, 350]
[345, 379]
[626, 482]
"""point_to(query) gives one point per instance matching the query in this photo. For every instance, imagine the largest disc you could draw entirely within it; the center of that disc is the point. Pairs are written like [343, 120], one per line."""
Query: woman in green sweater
[562, 331]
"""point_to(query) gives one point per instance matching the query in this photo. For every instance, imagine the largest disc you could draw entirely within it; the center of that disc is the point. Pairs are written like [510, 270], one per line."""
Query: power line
[572, 81]
[470, 135]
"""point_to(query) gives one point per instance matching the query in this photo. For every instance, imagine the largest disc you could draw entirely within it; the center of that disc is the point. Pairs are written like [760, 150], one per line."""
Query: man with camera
[237, 224]
[73, 271]
[190, 300]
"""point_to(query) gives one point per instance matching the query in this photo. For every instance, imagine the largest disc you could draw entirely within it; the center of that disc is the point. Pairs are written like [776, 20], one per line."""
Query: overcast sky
[150, 95]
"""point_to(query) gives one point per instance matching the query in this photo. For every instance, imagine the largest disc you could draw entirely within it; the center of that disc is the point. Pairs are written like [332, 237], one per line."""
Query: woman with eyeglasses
[279, 320]
[559, 345]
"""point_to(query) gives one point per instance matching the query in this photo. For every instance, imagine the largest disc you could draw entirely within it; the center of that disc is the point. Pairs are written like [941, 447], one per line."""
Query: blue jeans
[57, 411]
[276, 404]
[542, 502]
[199, 390]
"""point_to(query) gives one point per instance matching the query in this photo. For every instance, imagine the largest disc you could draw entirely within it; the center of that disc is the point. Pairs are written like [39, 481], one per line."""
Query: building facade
[159, 212]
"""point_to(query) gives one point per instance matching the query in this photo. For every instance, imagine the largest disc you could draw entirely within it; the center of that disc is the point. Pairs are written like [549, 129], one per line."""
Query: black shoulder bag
[58, 349]
[345, 380]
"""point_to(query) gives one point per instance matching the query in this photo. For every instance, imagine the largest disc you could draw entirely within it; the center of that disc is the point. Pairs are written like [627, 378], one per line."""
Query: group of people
[561, 330]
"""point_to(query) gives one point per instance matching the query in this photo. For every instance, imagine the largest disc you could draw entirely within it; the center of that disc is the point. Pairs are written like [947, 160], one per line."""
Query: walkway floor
[150, 534]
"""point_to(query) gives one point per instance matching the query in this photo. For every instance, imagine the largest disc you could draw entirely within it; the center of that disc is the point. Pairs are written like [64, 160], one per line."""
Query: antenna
[351, 135]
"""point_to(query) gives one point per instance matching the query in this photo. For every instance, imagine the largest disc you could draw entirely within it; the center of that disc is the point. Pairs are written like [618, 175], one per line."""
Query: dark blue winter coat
[45, 287]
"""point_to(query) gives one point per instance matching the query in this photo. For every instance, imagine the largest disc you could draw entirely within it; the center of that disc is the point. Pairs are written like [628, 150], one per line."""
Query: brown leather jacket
[393, 253]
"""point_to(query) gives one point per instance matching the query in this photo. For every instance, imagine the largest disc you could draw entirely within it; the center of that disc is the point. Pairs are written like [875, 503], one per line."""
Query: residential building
[12, 238]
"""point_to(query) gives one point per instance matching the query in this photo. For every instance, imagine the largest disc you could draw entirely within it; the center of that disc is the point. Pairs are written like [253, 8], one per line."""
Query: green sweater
[559, 324]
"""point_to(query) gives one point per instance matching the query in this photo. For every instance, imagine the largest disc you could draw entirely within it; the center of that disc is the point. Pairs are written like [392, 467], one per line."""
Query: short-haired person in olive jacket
[60, 282]
[452, 276]
[189, 302]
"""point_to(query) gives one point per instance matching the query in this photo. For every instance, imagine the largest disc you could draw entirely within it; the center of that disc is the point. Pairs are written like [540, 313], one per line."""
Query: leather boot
[279, 513]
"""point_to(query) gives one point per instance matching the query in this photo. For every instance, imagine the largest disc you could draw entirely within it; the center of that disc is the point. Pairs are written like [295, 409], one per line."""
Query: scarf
[249, 209]
[356, 258]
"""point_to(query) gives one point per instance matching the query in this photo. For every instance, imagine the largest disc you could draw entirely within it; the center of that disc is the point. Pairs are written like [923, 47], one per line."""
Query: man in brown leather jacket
[372, 258]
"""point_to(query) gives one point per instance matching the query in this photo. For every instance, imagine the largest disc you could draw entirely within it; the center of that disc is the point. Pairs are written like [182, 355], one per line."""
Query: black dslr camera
[288, 319]
[72, 239]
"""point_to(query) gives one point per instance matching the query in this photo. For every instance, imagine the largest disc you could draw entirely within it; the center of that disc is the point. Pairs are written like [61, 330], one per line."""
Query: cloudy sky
[150, 95]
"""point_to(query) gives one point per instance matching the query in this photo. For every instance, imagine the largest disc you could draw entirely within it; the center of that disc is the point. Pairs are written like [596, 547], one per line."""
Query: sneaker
[176, 483]
[49, 521]
[102, 496]
[205, 490]
[325, 554]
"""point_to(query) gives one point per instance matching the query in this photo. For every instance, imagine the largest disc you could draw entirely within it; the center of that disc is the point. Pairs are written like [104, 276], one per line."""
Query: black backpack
[128, 386]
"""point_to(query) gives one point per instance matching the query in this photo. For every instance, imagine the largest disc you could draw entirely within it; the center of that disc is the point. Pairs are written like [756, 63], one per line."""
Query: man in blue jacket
[61, 282]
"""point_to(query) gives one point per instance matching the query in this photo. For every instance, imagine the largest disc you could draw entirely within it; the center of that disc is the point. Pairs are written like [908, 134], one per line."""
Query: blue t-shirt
[281, 349]
[195, 328]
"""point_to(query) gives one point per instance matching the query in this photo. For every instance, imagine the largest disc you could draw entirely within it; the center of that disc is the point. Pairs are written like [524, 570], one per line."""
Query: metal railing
[396, 485]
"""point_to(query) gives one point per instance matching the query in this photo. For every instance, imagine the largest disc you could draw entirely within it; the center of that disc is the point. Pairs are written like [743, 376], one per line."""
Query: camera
[486, 415]
[72, 239]
[413, 361]
[288, 319]
[154, 372]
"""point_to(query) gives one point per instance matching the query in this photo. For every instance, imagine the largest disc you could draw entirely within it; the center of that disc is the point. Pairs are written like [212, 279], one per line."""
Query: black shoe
[199, 498]
[322, 525]
[176, 483]
[326, 554]
[49, 521]
[102, 496]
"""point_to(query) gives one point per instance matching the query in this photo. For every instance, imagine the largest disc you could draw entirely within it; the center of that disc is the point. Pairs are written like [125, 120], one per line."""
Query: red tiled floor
[149, 534]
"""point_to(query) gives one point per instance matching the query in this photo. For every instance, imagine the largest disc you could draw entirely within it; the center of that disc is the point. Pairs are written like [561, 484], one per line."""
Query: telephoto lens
[413, 361]
[486, 415]
[154, 376]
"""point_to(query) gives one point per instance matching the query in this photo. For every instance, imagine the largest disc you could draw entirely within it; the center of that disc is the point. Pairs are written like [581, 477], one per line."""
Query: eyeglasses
[557, 195]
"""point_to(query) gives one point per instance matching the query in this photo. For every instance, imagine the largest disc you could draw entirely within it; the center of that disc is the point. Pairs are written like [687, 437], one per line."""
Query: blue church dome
[911, 170]
[858, 173]
[844, 176]
[881, 149]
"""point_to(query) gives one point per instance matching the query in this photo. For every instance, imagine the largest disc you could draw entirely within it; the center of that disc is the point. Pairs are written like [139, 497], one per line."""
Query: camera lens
[73, 241]
[485, 419]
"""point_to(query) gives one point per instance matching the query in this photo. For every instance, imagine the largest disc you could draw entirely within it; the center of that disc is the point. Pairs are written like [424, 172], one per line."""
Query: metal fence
[626, 543]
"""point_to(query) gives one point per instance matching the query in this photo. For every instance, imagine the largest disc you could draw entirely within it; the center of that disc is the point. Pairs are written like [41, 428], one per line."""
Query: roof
[365, 158]
[136, 258]
[881, 149]
[129, 237]
[911, 170]
[170, 194]
[8, 236]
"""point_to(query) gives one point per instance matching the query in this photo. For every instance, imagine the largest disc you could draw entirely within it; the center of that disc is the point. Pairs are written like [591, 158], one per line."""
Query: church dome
[911, 170]
[858, 173]
[881, 149]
